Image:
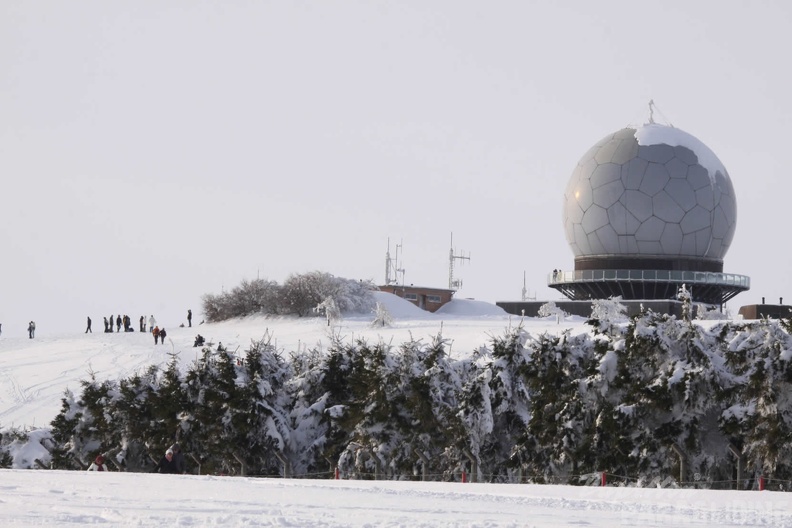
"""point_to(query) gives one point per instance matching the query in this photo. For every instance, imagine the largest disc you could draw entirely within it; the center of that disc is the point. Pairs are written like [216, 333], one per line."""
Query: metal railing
[675, 276]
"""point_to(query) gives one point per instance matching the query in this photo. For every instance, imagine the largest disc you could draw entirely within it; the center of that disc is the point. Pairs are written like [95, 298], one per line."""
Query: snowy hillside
[35, 372]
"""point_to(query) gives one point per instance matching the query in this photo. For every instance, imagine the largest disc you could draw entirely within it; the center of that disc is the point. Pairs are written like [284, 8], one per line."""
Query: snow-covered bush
[250, 297]
[607, 313]
[549, 309]
[709, 313]
[299, 295]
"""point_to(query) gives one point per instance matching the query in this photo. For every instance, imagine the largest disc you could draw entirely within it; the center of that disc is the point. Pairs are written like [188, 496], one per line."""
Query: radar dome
[653, 190]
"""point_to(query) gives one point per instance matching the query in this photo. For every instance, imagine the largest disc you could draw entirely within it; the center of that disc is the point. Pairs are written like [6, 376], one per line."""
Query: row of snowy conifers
[625, 399]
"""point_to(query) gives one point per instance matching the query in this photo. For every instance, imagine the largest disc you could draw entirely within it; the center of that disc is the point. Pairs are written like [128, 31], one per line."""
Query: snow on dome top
[655, 134]
[652, 190]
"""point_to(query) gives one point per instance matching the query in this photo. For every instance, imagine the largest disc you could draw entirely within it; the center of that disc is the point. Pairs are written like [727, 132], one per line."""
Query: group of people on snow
[119, 320]
[159, 334]
[125, 320]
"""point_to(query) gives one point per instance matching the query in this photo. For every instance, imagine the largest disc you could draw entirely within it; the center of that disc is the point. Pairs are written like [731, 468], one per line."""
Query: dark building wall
[429, 299]
[772, 311]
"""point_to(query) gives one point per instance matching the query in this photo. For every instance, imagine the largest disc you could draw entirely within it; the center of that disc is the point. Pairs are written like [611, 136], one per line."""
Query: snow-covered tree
[382, 317]
[549, 309]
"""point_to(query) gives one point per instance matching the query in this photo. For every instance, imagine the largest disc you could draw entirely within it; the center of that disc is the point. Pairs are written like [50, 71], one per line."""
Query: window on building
[433, 298]
[411, 296]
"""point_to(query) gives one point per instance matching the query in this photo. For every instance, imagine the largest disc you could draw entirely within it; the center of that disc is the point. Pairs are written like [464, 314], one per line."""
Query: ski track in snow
[61, 498]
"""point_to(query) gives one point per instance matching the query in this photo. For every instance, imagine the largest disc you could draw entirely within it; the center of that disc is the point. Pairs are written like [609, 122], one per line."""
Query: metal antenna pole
[454, 283]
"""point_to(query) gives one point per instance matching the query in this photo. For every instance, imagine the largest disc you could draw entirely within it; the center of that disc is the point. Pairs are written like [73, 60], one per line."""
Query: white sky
[152, 152]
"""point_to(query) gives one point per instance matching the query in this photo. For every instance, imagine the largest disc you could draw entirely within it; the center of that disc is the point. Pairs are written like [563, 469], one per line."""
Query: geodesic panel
[608, 194]
[666, 209]
[651, 190]
[637, 204]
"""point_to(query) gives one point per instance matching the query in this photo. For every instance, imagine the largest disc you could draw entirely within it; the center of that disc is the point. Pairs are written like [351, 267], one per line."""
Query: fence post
[425, 463]
[464, 476]
[761, 483]
[604, 479]
[337, 473]
[197, 462]
[738, 454]
[286, 464]
[242, 466]
[682, 469]
[473, 465]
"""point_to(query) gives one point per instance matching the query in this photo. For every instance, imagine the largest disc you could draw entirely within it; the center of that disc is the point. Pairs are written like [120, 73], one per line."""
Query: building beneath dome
[647, 210]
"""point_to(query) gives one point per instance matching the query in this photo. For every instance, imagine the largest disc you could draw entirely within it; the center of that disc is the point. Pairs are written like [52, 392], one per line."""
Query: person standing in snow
[98, 464]
[118, 323]
[152, 323]
[89, 326]
[111, 323]
[189, 318]
[166, 464]
[31, 329]
[156, 333]
[162, 334]
[178, 459]
[142, 323]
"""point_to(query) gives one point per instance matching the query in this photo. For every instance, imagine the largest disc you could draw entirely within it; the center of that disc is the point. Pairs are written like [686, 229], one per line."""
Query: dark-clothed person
[166, 464]
[178, 459]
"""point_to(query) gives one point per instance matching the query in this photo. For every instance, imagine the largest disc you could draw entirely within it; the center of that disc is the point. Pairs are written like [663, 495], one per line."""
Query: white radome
[653, 190]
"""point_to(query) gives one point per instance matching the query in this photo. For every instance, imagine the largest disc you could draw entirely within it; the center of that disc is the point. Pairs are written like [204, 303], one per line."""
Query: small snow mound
[400, 308]
[470, 307]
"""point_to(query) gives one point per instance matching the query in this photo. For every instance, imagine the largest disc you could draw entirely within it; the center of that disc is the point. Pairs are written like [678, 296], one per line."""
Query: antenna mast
[525, 296]
[392, 268]
[454, 284]
[652, 108]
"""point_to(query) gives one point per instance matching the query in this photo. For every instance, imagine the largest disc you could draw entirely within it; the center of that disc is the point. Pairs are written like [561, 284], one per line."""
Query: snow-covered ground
[68, 498]
[35, 372]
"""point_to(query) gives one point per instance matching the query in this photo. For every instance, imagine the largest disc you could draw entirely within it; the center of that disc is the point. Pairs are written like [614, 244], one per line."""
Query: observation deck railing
[692, 278]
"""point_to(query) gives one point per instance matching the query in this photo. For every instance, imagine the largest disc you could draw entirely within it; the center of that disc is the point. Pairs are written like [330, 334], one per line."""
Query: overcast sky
[155, 151]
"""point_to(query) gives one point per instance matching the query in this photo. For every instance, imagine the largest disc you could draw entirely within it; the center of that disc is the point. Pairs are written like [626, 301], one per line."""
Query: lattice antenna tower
[525, 296]
[393, 269]
[454, 284]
